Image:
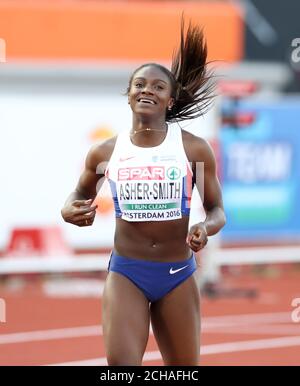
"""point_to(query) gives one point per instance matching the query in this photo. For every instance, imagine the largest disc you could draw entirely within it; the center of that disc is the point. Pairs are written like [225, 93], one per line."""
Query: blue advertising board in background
[261, 174]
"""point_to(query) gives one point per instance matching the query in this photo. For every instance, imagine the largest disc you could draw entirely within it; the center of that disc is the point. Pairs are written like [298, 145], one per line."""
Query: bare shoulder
[197, 149]
[100, 153]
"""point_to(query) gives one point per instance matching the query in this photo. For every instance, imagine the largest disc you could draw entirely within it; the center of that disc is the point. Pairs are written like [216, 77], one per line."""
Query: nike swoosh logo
[122, 159]
[172, 271]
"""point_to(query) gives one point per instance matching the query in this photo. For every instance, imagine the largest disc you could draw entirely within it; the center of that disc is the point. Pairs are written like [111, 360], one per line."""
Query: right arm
[77, 209]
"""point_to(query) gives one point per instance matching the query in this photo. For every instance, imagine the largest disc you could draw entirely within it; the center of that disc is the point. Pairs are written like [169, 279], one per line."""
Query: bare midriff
[156, 240]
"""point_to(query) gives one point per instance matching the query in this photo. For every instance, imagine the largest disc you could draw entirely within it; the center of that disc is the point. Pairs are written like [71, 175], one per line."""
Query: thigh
[125, 321]
[176, 324]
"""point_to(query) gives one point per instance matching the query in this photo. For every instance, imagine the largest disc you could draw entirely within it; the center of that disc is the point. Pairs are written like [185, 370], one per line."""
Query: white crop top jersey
[150, 183]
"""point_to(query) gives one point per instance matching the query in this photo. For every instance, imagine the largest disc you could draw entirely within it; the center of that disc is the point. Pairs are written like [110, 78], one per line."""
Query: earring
[170, 108]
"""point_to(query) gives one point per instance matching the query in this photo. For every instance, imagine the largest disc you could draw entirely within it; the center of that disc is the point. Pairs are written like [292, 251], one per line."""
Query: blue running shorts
[154, 279]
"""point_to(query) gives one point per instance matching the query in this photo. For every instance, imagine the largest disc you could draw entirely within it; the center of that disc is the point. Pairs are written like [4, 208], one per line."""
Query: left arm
[211, 196]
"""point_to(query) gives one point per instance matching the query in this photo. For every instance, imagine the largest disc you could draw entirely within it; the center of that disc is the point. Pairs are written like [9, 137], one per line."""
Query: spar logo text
[142, 173]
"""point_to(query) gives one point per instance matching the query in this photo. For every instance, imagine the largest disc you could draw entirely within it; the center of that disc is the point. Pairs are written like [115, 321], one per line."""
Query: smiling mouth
[146, 101]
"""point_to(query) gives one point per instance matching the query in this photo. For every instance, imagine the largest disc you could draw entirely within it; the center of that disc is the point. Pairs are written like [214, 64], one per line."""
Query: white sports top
[150, 183]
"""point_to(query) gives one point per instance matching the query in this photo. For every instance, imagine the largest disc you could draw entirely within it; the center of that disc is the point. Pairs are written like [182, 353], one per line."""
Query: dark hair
[190, 79]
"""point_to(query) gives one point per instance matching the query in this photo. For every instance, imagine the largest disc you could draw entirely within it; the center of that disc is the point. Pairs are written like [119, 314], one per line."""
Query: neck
[148, 125]
[148, 134]
[148, 130]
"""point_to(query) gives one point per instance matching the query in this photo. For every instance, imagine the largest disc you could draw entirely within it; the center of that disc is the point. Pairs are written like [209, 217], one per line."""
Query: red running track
[43, 330]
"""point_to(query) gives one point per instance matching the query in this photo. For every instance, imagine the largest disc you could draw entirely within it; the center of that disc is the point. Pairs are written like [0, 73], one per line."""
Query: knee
[183, 361]
[123, 360]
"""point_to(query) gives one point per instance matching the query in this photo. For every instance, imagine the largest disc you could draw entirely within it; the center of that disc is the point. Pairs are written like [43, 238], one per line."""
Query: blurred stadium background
[64, 65]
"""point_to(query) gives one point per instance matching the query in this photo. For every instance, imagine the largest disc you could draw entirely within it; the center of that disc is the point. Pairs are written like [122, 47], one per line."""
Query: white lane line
[85, 362]
[246, 319]
[218, 322]
[62, 333]
[211, 349]
[257, 330]
[248, 345]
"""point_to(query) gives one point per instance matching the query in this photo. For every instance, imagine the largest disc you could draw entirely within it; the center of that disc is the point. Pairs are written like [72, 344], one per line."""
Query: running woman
[151, 168]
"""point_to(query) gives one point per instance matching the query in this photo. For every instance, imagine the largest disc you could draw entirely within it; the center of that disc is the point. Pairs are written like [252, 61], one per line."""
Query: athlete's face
[150, 92]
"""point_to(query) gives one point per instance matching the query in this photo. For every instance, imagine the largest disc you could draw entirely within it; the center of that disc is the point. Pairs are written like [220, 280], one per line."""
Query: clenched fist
[197, 237]
[79, 212]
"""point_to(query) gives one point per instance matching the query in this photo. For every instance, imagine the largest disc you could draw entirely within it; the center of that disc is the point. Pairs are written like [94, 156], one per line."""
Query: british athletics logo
[141, 173]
